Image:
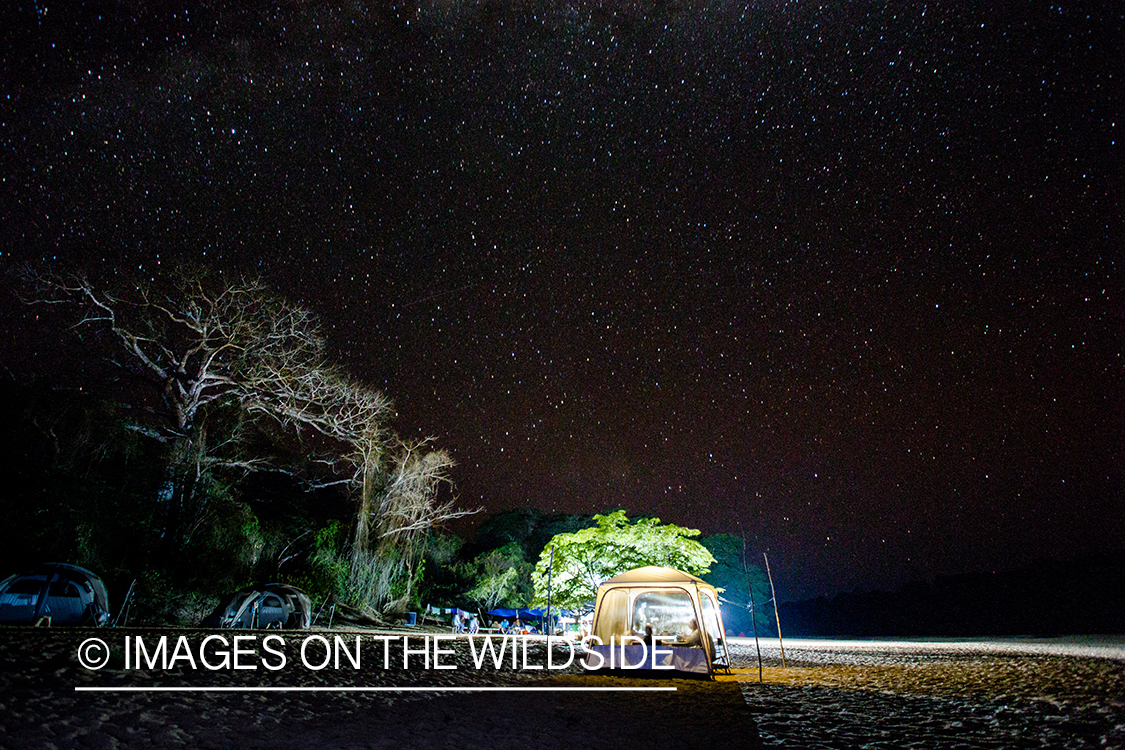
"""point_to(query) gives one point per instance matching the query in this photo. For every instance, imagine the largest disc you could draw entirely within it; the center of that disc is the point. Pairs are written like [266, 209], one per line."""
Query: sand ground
[40, 708]
[938, 694]
[828, 695]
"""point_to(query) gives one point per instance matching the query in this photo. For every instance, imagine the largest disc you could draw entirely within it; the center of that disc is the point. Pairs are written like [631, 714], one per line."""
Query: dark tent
[270, 606]
[54, 593]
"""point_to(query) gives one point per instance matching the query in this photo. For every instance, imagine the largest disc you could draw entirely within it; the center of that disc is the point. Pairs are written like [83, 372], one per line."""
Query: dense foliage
[583, 560]
[733, 571]
[195, 438]
[212, 396]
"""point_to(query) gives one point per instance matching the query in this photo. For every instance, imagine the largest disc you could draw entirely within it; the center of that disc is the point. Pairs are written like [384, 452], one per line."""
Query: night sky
[847, 274]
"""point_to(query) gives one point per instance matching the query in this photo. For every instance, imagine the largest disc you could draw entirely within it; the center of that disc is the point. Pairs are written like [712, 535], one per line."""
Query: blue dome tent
[54, 594]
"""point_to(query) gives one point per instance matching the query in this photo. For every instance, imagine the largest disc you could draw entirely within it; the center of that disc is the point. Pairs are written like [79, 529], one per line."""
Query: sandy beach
[40, 707]
[829, 695]
[1066, 693]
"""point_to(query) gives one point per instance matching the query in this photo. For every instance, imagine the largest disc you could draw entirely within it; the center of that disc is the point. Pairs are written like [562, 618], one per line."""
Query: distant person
[694, 637]
[648, 637]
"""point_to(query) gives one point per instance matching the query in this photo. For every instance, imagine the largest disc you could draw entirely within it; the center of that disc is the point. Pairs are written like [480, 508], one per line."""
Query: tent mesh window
[18, 602]
[64, 601]
[668, 612]
[271, 611]
[710, 616]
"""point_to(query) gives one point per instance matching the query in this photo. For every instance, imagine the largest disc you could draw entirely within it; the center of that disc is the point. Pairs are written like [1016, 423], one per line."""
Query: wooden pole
[750, 591]
[773, 593]
[547, 626]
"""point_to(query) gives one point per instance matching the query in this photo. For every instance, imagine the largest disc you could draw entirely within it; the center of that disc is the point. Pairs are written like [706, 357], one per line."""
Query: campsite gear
[525, 615]
[124, 611]
[54, 594]
[670, 601]
[273, 606]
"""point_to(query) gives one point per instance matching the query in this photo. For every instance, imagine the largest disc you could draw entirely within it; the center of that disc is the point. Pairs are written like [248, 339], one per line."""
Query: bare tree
[194, 344]
[236, 350]
[409, 507]
[397, 484]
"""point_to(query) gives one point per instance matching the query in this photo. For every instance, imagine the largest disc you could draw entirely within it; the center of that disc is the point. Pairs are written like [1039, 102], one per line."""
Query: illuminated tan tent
[668, 600]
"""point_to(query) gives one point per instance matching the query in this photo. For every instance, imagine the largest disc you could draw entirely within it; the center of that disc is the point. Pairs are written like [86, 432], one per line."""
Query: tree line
[193, 433]
[200, 394]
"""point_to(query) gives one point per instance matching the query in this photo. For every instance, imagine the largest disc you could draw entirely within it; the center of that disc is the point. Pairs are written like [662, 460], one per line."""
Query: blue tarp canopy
[523, 614]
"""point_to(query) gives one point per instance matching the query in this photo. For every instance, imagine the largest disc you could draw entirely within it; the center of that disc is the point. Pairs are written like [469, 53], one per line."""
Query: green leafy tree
[444, 581]
[498, 575]
[584, 559]
[531, 529]
[732, 569]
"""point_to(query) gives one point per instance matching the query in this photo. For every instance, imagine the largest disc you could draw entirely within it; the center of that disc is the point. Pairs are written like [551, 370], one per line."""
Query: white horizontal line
[450, 689]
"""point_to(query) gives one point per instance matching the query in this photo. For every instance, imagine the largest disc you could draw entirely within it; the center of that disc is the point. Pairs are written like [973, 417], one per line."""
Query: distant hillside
[1045, 598]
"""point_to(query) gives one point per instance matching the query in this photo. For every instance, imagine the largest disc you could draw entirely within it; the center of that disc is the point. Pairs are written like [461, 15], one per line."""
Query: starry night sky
[847, 274]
